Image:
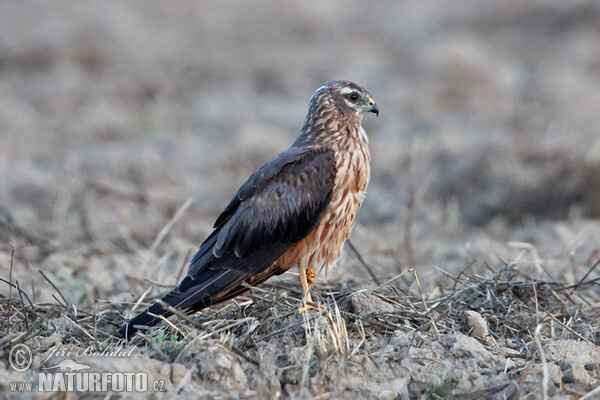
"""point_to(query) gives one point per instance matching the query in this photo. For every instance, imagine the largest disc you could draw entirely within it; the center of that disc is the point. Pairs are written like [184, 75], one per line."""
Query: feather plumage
[297, 209]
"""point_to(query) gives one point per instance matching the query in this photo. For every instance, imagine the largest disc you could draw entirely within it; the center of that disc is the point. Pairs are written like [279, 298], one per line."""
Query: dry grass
[364, 324]
[522, 314]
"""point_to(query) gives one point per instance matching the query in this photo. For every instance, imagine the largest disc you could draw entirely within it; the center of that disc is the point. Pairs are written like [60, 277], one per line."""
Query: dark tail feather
[191, 295]
[129, 329]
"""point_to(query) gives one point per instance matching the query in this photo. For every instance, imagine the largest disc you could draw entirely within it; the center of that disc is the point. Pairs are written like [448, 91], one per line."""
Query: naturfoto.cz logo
[71, 376]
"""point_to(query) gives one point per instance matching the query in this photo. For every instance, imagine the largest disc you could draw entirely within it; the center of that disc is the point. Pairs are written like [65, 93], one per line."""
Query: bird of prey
[296, 210]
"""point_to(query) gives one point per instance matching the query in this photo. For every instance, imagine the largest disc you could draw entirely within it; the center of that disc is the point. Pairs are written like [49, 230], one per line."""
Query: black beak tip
[375, 109]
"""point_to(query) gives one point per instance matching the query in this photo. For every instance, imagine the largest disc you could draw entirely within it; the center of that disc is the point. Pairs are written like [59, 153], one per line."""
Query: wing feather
[280, 204]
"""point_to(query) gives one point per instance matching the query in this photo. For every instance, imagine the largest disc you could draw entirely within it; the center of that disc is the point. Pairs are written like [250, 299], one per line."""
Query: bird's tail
[130, 328]
[191, 295]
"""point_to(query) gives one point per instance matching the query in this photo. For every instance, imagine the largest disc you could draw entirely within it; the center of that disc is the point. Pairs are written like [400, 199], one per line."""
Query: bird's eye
[353, 97]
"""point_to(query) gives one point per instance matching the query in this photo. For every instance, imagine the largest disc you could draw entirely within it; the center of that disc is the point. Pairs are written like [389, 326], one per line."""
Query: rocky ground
[126, 127]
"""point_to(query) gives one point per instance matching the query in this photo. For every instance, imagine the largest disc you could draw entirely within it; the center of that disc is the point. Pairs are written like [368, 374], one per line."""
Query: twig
[567, 328]
[537, 309]
[32, 292]
[461, 273]
[126, 191]
[410, 209]
[183, 265]
[85, 331]
[420, 291]
[287, 328]
[12, 255]
[587, 274]
[480, 394]
[95, 318]
[163, 232]
[186, 379]
[65, 304]
[538, 341]
[363, 336]
[26, 335]
[166, 321]
[363, 262]
[22, 305]
[397, 276]
[241, 353]
[592, 394]
[7, 223]
[142, 297]
[153, 283]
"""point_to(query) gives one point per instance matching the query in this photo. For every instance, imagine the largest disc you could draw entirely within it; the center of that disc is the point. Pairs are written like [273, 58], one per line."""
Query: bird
[296, 210]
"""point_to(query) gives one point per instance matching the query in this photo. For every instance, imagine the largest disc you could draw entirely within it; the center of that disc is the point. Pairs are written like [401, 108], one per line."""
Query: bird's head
[336, 110]
[347, 96]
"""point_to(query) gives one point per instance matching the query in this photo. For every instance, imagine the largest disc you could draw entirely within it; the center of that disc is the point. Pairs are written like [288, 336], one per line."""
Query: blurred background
[113, 114]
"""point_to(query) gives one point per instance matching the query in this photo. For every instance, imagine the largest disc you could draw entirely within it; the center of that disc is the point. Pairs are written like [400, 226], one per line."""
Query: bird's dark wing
[278, 205]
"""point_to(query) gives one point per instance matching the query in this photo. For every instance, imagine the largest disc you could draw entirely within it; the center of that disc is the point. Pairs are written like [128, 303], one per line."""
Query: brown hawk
[296, 210]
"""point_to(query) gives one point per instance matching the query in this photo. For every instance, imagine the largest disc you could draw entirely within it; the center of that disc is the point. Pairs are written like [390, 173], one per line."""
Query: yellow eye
[353, 97]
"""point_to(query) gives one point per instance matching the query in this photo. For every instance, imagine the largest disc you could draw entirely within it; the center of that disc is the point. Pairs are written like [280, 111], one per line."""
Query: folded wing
[280, 204]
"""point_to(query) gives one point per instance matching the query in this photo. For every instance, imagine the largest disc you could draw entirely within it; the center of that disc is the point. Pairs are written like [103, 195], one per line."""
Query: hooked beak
[373, 107]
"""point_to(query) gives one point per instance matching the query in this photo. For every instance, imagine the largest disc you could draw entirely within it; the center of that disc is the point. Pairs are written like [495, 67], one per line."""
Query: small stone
[479, 328]
[364, 302]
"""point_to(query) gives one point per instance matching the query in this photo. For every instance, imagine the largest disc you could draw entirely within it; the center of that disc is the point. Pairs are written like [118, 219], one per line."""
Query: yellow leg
[307, 278]
[305, 284]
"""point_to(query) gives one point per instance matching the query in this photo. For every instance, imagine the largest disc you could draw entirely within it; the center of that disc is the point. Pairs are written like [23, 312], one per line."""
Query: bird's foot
[319, 309]
[308, 306]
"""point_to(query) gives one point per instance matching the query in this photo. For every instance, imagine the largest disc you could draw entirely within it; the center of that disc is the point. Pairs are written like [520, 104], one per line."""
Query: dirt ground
[125, 127]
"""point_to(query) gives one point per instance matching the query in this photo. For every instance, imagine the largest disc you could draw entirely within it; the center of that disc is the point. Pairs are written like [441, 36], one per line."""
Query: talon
[307, 307]
[307, 278]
